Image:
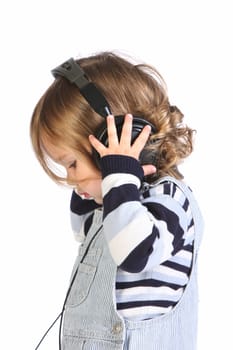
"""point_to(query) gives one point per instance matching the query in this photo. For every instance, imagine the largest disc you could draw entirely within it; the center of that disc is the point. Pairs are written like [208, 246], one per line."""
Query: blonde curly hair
[63, 115]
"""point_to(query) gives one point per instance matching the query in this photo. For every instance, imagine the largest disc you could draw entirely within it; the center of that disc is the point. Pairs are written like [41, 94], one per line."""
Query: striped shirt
[150, 234]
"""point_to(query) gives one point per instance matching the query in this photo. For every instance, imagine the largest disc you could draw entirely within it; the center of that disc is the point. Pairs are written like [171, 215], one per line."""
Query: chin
[98, 200]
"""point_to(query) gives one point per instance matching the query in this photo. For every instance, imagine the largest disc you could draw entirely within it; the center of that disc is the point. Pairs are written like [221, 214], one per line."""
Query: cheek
[95, 185]
[86, 175]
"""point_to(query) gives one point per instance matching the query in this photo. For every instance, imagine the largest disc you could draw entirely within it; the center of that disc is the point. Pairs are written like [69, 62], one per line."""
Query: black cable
[48, 331]
[67, 295]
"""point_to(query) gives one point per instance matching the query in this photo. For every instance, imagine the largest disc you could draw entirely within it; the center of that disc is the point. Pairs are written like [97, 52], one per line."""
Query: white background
[190, 43]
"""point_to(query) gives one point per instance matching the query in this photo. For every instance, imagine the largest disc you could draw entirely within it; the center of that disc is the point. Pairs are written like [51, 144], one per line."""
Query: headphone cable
[67, 295]
[48, 330]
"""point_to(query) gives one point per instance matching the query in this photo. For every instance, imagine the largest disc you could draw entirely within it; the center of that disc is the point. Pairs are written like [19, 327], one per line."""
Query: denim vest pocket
[84, 278]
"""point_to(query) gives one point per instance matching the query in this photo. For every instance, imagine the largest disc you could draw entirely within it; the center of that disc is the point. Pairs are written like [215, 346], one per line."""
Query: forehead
[56, 152]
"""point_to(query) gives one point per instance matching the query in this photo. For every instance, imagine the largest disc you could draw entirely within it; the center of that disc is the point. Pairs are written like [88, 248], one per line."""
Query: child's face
[83, 174]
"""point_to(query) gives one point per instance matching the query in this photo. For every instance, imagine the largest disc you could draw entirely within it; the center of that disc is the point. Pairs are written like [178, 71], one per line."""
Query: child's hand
[149, 169]
[122, 146]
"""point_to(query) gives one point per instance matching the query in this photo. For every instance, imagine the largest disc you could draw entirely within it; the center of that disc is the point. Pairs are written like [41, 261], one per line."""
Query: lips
[85, 195]
[82, 194]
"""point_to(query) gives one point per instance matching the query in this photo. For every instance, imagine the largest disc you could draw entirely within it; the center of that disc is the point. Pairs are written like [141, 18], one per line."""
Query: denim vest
[91, 321]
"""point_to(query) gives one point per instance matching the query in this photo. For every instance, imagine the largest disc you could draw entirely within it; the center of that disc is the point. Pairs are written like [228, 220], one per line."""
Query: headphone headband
[72, 71]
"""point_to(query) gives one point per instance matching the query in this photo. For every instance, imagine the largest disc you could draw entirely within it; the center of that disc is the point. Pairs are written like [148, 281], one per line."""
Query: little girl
[108, 122]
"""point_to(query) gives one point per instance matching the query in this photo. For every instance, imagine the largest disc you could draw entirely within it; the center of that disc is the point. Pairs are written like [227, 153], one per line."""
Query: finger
[149, 169]
[126, 133]
[97, 145]
[142, 139]
[112, 131]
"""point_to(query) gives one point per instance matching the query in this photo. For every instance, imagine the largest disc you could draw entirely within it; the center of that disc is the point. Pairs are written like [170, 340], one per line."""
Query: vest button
[117, 328]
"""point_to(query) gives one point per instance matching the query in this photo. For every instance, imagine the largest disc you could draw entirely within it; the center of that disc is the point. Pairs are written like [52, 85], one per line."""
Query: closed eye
[73, 165]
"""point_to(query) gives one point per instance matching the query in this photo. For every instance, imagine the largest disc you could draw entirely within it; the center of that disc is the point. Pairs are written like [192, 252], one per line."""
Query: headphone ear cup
[137, 126]
[147, 157]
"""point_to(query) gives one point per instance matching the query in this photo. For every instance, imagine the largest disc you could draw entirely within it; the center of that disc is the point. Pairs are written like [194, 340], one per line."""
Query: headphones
[72, 71]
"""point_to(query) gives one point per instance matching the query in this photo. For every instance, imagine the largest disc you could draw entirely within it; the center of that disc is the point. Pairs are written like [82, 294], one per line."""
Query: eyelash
[73, 165]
